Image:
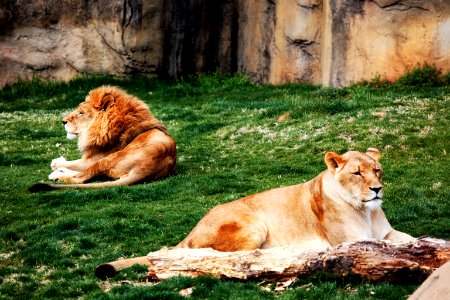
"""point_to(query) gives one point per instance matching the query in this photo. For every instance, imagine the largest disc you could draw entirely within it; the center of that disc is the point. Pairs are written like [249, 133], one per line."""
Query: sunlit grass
[234, 138]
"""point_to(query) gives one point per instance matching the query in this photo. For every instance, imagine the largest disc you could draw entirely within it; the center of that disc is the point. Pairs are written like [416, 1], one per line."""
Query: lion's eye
[377, 171]
[81, 112]
[357, 173]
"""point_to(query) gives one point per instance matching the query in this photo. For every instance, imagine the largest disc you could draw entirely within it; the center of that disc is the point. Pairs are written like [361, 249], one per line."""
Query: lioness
[119, 138]
[342, 204]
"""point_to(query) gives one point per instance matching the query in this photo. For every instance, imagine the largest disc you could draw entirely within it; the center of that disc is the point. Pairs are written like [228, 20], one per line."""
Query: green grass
[230, 144]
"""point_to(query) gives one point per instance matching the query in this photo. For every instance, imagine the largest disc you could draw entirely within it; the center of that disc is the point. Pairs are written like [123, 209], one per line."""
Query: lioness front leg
[398, 236]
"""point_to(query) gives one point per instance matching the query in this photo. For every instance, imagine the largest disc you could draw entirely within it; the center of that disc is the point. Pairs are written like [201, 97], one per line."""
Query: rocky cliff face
[330, 42]
[385, 37]
[52, 40]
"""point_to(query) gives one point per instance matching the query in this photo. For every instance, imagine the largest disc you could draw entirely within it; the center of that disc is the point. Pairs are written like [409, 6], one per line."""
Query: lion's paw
[62, 172]
[55, 174]
[57, 162]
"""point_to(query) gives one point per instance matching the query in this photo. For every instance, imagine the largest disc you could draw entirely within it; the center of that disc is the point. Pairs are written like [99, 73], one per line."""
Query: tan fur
[119, 138]
[341, 204]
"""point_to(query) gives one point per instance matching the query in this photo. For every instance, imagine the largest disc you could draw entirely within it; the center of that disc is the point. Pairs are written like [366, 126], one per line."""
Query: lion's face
[78, 121]
[358, 176]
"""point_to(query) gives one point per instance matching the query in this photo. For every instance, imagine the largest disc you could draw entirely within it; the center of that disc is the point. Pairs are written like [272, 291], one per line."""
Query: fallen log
[371, 260]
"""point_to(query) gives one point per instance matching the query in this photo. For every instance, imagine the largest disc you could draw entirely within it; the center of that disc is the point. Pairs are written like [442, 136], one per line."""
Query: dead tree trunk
[372, 260]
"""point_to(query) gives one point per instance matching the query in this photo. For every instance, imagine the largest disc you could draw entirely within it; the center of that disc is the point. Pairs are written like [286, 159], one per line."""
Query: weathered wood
[373, 260]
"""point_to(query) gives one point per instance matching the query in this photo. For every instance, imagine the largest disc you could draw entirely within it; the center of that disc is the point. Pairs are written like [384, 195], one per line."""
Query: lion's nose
[375, 189]
[64, 122]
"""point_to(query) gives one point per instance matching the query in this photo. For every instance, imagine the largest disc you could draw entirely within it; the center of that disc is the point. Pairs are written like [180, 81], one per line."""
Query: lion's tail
[45, 187]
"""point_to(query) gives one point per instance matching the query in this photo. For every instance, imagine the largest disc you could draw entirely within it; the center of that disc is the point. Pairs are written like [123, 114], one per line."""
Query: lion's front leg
[58, 163]
[69, 175]
[75, 165]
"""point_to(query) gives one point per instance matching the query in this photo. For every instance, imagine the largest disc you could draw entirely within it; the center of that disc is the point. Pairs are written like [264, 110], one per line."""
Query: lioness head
[358, 176]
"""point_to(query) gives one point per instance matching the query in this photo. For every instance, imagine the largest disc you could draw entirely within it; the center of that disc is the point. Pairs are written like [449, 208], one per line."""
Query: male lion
[342, 204]
[119, 138]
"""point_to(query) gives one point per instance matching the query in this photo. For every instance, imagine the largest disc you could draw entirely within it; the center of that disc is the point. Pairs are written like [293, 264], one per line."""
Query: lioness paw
[57, 162]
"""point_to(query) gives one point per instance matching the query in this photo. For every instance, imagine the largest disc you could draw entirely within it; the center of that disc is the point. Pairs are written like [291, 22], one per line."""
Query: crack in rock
[400, 5]
[303, 44]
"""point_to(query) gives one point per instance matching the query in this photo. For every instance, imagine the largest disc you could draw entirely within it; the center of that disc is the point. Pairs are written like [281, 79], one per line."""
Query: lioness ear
[333, 161]
[373, 153]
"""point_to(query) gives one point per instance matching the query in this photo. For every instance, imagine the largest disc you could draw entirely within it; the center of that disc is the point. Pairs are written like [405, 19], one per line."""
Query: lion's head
[109, 118]
[358, 176]
[76, 122]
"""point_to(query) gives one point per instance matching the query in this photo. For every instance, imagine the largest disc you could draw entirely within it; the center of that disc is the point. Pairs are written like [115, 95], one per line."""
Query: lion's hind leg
[74, 183]
[71, 176]
[62, 174]
[110, 166]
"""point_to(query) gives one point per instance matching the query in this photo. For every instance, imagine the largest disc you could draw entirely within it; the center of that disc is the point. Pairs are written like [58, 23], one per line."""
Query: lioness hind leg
[230, 236]
[233, 237]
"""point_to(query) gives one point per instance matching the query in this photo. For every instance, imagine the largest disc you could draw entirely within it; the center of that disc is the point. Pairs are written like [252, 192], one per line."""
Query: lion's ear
[334, 161]
[106, 102]
[373, 153]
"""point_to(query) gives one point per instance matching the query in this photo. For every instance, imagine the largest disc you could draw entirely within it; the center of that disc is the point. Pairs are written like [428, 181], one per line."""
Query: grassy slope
[229, 145]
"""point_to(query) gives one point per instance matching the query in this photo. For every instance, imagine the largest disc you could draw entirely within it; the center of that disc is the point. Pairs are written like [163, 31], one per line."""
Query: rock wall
[330, 42]
[385, 37]
[50, 40]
